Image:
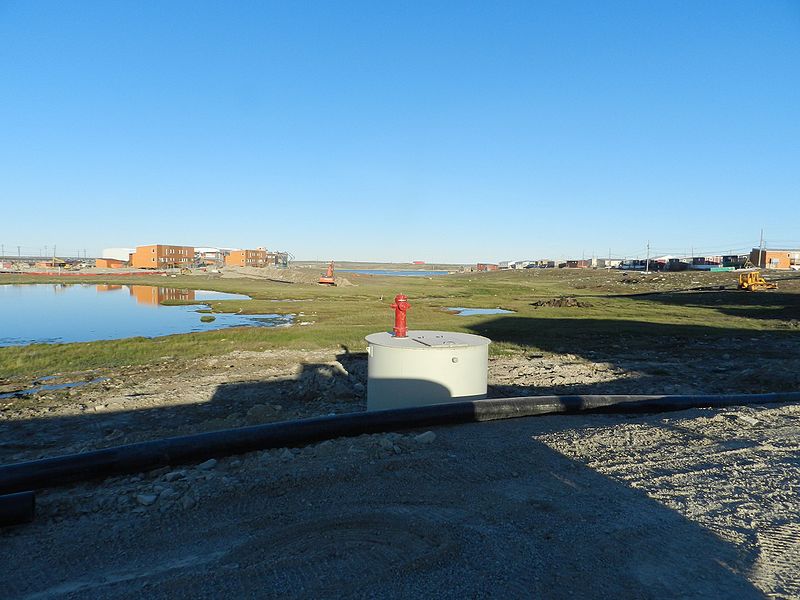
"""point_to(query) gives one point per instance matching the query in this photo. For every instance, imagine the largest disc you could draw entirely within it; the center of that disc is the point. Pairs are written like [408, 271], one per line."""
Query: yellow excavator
[754, 282]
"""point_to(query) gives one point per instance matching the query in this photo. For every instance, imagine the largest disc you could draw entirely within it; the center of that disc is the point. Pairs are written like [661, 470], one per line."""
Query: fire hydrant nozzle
[400, 307]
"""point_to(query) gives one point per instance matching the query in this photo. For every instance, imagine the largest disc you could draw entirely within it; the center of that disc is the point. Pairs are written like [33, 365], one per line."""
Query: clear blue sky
[457, 131]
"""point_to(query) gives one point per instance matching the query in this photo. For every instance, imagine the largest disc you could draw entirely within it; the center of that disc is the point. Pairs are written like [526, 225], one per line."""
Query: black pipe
[17, 508]
[143, 456]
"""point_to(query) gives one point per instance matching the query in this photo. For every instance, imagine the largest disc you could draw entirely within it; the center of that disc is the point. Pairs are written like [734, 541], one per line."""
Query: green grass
[342, 316]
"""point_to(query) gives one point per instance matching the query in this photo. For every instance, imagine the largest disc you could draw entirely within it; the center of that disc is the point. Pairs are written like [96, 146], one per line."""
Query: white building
[123, 254]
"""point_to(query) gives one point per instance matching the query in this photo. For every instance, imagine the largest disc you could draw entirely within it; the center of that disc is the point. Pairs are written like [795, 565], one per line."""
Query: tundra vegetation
[612, 309]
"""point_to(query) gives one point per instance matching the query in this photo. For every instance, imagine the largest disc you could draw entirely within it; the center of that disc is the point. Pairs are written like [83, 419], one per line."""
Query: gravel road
[694, 504]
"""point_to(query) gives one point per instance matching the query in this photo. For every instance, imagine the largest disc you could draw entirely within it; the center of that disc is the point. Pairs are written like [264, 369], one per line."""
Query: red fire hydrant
[400, 307]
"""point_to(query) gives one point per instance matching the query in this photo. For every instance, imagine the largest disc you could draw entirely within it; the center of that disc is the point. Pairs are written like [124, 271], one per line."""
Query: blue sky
[439, 131]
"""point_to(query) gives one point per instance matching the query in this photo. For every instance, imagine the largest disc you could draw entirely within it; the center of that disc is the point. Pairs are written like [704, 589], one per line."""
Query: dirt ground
[284, 275]
[699, 503]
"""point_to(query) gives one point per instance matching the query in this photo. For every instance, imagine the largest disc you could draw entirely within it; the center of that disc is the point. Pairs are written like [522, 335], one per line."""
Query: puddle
[51, 387]
[471, 312]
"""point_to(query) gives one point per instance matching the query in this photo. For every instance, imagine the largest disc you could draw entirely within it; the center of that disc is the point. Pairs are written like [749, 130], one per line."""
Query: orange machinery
[328, 278]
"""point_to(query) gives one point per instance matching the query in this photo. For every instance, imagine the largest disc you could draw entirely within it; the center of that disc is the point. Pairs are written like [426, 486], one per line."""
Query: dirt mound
[563, 302]
[287, 275]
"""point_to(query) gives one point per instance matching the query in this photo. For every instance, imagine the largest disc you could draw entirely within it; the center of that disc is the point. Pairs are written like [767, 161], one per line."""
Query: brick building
[775, 259]
[158, 256]
[246, 258]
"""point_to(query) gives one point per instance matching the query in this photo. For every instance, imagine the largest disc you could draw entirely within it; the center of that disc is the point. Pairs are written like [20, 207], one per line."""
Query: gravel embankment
[699, 503]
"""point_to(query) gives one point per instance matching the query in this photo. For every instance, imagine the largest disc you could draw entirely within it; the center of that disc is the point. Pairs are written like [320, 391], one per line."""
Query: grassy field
[618, 310]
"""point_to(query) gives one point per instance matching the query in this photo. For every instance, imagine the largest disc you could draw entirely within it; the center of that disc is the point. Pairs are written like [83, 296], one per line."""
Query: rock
[385, 442]
[168, 494]
[146, 499]
[259, 413]
[324, 449]
[208, 465]
[188, 502]
[749, 420]
[342, 388]
[287, 455]
[173, 475]
[358, 388]
[425, 438]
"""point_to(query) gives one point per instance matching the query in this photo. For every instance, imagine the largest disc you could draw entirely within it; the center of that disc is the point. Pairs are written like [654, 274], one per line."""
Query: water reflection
[147, 294]
[47, 313]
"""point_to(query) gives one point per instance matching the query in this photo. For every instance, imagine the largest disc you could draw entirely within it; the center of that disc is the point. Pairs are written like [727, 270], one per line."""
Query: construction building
[278, 259]
[158, 256]
[210, 255]
[52, 262]
[775, 259]
[246, 258]
[110, 263]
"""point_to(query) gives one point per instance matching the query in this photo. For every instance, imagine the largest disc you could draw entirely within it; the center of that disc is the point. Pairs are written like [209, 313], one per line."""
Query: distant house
[699, 261]
[578, 264]
[737, 261]
[606, 263]
[487, 267]
[635, 264]
[776, 259]
[676, 264]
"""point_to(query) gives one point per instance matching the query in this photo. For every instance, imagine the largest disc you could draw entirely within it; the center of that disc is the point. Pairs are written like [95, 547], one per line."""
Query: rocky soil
[699, 503]
[282, 275]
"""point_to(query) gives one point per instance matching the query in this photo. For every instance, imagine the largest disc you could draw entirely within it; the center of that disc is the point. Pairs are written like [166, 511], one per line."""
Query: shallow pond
[50, 387]
[471, 312]
[61, 313]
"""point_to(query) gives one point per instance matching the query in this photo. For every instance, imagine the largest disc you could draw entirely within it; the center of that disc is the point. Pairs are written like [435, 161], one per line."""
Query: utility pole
[19, 252]
[2, 251]
[647, 264]
[760, 249]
